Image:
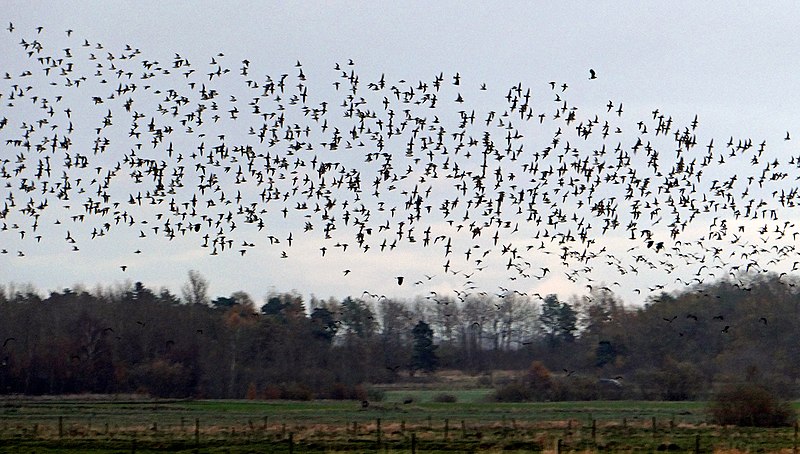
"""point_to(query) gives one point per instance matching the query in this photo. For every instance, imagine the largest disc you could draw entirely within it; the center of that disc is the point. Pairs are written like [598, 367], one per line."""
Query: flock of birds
[523, 181]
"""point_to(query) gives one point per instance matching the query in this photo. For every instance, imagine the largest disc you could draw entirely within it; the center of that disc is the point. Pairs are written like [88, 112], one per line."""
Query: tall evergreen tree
[559, 320]
[424, 356]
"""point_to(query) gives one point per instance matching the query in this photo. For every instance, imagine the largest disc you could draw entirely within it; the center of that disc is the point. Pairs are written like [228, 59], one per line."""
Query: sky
[731, 65]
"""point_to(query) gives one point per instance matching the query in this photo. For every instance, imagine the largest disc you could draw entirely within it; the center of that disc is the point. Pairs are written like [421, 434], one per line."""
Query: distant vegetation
[751, 405]
[134, 339]
[119, 424]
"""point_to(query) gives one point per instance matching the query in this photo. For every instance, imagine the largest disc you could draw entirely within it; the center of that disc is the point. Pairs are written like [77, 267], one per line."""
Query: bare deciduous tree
[196, 290]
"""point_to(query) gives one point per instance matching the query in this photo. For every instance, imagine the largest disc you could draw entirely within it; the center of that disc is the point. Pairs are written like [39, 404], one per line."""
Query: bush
[376, 395]
[272, 392]
[539, 381]
[445, 398]
[252, 391]
[675, 380]
[512, 392]
[359, 392]
[750, 405]
[296, 391]
[338, 391]
[576, 388]
[162, 378]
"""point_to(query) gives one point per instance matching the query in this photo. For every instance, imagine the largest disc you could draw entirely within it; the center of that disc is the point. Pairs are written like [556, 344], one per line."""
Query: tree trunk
[232, 379]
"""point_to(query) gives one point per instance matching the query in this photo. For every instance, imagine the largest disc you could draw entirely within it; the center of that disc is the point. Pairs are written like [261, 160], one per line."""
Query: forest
[134, 339]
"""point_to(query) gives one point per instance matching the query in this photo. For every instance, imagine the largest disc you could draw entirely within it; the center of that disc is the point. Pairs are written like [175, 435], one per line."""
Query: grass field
[471, 424]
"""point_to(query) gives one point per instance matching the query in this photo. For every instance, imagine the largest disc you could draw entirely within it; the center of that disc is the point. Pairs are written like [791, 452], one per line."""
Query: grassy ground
[471, 424]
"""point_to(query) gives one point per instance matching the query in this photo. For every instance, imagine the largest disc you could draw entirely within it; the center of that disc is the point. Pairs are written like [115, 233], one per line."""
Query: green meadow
[404, 421]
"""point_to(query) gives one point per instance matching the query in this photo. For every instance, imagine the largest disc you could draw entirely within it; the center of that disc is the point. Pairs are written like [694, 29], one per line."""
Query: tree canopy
[135, 338]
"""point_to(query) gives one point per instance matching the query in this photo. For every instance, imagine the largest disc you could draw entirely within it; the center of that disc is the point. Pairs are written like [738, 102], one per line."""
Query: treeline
[133, 339]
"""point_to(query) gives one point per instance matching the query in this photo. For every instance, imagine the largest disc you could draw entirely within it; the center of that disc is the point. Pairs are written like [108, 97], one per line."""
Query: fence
[273, 434]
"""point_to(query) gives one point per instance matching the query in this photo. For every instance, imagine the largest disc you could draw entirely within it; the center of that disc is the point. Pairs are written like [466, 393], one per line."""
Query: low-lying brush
[469, 425]
[750, 405]
[445, 398]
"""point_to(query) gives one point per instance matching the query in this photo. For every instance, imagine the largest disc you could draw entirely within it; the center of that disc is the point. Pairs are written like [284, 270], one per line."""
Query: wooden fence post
[413, 443]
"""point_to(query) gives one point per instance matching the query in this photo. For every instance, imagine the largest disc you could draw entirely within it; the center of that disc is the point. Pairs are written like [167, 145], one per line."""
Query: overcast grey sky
[733, 64]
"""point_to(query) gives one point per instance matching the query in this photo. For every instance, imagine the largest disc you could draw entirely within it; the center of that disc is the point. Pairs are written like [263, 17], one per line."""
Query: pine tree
[424, 356]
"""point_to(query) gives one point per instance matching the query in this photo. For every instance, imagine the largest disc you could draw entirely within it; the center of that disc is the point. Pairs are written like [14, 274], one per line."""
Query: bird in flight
[535, 190]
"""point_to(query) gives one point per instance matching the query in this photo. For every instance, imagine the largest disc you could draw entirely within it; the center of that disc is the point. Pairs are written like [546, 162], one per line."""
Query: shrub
[575, 388]
[512, 392]
[272, 392]
[675, 380]
[252, 391]
[359, 392]
[539, 381]
[445, 398]
[750, 405]
[296, 391]
[162, 378]
[338, 391]
[376, 395]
